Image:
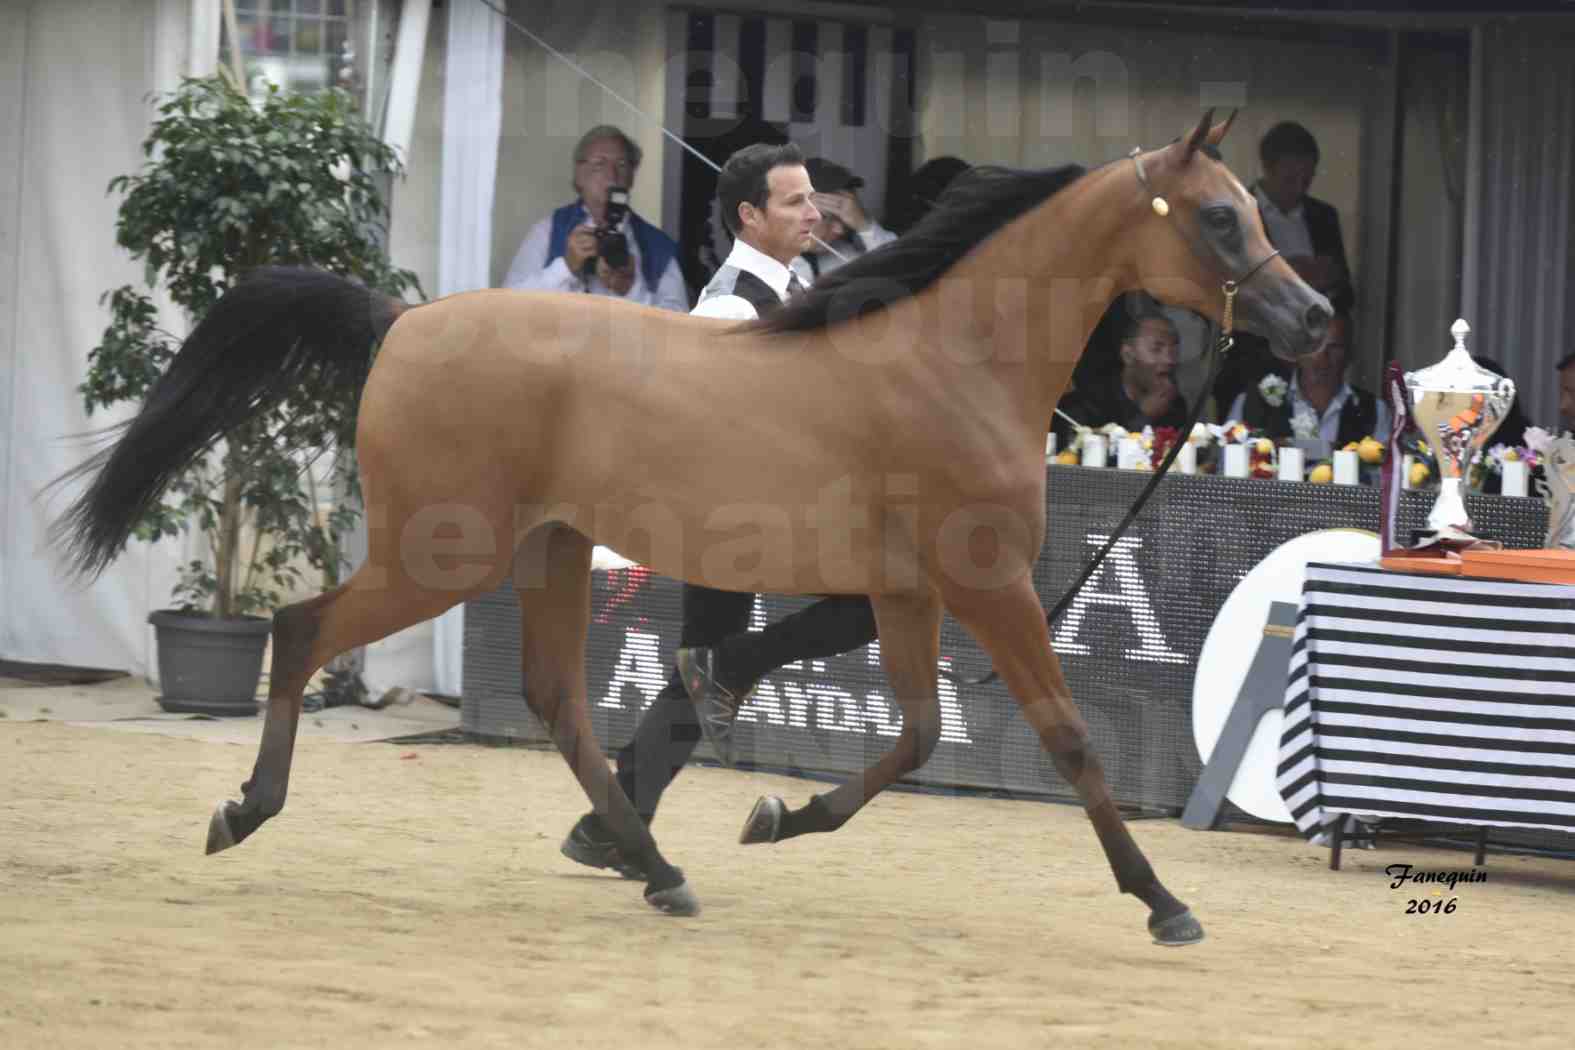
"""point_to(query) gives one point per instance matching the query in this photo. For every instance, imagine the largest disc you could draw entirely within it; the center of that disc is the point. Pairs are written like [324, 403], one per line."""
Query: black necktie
[794, 285]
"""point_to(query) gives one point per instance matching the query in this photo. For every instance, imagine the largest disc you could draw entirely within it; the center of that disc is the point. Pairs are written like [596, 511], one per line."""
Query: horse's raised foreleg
[555, 614]
[910, 639]
[1010, 625]
[306, 636]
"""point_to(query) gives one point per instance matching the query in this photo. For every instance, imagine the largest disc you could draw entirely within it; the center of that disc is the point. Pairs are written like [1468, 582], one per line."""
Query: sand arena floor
[414, 896]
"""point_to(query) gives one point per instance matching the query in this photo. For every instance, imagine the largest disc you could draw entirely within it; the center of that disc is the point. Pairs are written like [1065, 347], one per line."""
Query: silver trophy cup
[1558, 489]
[1457, 405]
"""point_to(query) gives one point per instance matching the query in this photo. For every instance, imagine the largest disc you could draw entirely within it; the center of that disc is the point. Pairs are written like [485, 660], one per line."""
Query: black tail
[277, 330]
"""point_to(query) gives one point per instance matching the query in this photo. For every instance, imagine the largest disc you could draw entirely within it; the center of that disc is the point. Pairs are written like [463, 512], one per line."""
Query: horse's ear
[1218, 132]
[1199, 135]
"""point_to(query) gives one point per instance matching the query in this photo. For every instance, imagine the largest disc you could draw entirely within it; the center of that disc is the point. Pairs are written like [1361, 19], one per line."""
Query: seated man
[562, 252]
[1142, 391]
[1566, 369]
[843, 224]
[1317, 401]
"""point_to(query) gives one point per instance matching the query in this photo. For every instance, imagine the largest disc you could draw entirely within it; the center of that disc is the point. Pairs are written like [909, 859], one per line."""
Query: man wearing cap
[843, 225]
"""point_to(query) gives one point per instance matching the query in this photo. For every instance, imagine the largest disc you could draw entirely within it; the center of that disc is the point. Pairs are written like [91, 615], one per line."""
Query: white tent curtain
[73, 112]
[472, 121]
[1518, 277]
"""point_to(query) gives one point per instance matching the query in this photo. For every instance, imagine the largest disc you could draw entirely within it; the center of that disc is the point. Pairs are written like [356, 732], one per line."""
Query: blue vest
[655, 247]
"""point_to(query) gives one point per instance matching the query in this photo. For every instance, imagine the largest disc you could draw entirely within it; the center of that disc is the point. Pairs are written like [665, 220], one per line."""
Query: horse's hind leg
[910, 640]
[306, 636]
[555, 614]
[1010, 626]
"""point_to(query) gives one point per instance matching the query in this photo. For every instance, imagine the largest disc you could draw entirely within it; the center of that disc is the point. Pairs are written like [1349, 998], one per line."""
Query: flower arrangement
[1273, 389]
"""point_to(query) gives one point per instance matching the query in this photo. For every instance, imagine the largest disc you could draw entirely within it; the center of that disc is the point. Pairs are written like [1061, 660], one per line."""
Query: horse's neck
[1069, 258]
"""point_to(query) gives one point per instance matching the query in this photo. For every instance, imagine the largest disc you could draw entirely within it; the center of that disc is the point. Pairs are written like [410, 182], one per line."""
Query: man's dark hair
[1287, 139]
[1140, 307]
[743, 177]
[1565, 362]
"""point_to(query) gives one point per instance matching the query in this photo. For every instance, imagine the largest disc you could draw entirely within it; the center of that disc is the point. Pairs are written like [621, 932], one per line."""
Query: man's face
[1327, 366]
[603, 165]
[1286, 180]
[1567, 398]
[781, 229]
[1150, 356]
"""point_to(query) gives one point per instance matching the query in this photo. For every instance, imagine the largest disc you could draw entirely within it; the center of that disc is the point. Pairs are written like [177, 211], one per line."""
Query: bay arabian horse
[882, 434]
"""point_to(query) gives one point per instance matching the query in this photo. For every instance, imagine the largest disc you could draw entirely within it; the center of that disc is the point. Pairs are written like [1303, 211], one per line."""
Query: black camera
[611, 244]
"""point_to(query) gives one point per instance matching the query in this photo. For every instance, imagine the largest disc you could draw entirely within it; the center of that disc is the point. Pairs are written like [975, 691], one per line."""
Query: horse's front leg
[1010, 625]
[910, 638]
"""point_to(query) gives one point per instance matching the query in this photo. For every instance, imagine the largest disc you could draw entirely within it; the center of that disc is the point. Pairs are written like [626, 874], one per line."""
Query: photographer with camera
[596, 244]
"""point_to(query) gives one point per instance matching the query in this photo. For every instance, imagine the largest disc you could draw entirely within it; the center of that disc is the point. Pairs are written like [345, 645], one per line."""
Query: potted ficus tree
[230, 184]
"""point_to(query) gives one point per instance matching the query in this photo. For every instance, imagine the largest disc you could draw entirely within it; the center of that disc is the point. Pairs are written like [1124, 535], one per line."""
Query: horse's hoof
[675, 900]
[220, 837]
[1177, 930]
[764, 822]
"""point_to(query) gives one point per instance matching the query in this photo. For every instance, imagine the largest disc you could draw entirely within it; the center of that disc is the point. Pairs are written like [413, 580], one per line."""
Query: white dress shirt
[1287, 229]
[869, 239]
[527, 273]
[751, 260]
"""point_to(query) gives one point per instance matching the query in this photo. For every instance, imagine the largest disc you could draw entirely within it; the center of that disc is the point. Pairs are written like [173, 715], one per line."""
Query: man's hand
[843, 206]
[619, 281]
[1154, 403]
[581, 246]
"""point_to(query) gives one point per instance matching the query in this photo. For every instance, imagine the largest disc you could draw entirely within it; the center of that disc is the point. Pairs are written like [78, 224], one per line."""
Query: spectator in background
[562, 253]
[1315, 399]
[844, 225]
[1566, 370]
[1142, 392]
[1305, 229]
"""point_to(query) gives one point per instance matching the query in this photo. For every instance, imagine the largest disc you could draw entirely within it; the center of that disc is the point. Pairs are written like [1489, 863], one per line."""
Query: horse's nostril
[1317, 317]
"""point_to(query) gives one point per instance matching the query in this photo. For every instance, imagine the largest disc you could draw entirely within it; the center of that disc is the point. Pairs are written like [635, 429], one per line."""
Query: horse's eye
[1222, 219]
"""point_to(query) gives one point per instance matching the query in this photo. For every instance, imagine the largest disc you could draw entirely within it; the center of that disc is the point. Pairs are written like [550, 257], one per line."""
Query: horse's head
[1202, 238]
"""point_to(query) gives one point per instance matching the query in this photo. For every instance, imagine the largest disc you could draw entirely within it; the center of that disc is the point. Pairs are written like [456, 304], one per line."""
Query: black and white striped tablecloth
[1430, 697]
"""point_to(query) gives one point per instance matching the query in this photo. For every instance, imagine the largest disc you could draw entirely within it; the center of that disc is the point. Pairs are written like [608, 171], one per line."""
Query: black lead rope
[1219, 348]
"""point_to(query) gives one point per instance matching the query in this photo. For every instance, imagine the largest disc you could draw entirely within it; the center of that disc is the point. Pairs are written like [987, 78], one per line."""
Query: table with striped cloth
[1430, 698]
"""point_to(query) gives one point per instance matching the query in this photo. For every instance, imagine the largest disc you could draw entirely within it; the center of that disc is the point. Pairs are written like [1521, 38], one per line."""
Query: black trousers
[669, 731]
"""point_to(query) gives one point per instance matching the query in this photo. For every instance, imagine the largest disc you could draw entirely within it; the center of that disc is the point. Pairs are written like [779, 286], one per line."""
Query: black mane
[976, 204]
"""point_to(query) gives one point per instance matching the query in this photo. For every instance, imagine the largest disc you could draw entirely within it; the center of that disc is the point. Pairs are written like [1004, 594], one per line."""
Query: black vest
[730, 280]
[1358, 416]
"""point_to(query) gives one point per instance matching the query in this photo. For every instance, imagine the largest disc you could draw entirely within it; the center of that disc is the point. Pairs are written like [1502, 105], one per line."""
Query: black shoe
[590, 844]
[716, 705]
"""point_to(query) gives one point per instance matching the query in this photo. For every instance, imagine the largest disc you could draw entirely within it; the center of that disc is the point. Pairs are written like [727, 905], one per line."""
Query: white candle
[1050, 446]
[1235, 461]
[1129, 453]
[1347, 467]
[1094, 450]
[1514, 483]
[1291, 464]
[1405, 471]
[1187, 458]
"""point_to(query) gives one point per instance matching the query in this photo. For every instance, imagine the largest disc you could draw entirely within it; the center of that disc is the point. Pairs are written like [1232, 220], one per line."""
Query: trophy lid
[1458, 374]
